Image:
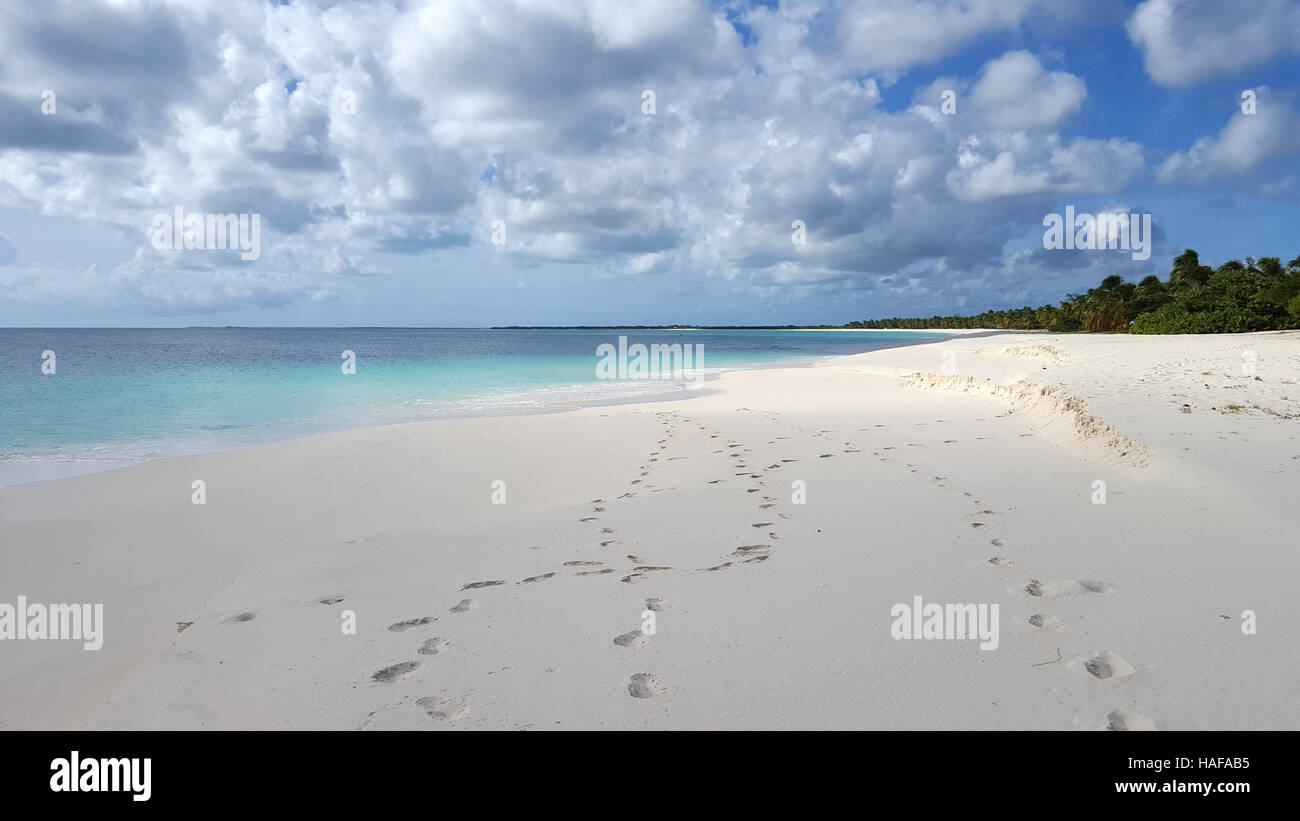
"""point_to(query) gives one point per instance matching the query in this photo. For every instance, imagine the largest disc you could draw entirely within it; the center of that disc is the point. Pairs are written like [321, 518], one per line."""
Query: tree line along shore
[1237, 297]
[1257, 295]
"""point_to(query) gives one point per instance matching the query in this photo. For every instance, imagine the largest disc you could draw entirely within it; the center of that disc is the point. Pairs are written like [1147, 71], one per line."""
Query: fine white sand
[961, 472]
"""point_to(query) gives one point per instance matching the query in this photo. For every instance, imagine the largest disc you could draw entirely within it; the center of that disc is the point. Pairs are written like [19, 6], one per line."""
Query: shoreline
[773, 610]
[42, 468]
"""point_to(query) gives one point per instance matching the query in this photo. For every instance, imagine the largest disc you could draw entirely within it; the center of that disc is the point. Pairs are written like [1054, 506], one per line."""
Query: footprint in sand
[477, 585]
[542, 577]
[766, 506]
[433, 647]
[634, 639]
[655, 605]
[608, 542]
[719, 566]
[1121, 721]
[410, 623]
[331, 600]
[762, 524]
[246, 616]
[1066, 587]
[645, 685]
[582, 564]
[465, 606]
[1047, 622]
[182, 626]
[1106, 665]
[1001, 562]
[443, 709]
[589, 519]
[997, 542]
[596, 572]
[394, 672]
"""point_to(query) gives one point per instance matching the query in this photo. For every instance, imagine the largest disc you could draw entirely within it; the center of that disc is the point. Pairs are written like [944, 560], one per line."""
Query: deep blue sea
[123, 395]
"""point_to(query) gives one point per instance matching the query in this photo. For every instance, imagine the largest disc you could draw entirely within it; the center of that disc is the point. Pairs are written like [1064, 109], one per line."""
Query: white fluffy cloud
[1187, 41]
[1243, 153]
[530, 112]
[898, 34]
[1015, 92]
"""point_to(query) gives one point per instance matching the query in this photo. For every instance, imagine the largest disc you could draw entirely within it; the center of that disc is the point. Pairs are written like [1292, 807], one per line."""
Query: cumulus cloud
[1019, 163]
[898, 34]
[1187, 41]
[1244, 153]
[389, 137]
[1015, 92]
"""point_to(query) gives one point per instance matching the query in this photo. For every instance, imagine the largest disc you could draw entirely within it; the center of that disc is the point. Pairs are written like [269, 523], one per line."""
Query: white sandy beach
[969, 486]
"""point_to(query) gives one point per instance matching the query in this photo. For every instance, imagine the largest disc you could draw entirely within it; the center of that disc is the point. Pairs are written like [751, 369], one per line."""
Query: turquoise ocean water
[124, 395]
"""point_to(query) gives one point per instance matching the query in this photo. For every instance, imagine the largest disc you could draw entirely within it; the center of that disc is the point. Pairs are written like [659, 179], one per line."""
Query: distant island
[669, 327]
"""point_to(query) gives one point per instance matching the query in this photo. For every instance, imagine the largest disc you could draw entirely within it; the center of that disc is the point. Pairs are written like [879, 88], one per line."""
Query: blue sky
[381, 143]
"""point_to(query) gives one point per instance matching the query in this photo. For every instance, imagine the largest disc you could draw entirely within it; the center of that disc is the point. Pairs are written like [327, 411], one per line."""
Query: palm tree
[1270, 267]
[1188, 272]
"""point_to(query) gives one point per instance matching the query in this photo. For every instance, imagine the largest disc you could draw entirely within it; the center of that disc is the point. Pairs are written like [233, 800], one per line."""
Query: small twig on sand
[1053, 661]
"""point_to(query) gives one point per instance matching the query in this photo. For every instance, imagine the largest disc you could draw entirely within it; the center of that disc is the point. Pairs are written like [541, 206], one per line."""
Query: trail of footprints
[737, 457]
[1102, 665]
[640, 685]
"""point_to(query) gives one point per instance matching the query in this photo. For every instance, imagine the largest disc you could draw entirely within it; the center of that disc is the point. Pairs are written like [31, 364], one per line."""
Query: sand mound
[1036, 352]
[1060, 417]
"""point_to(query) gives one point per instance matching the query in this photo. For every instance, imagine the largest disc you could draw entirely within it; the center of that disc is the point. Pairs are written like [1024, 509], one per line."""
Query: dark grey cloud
[22, 125]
